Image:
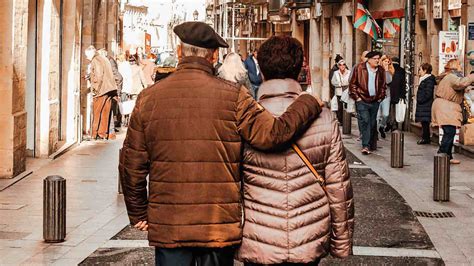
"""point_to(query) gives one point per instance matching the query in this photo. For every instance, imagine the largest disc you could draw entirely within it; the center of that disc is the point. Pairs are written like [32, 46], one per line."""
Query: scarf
[425, 76]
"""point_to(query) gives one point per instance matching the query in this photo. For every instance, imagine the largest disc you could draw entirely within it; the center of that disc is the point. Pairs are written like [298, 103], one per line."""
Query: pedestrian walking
[255, 76]
[424, 101]
[367, 87]
[398, 91]
[185, 136]
[384, 108]
[340, 82]
[279, 188]
[446, 109]
[117, 117]
[234, 70]
[333, 69]
[104, 90]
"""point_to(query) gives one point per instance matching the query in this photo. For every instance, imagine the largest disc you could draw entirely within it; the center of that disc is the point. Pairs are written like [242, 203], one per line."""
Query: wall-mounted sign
[448, 47]
[454, 4]
[437, 9]
[422, 9]
[470, 31]
[303, 14]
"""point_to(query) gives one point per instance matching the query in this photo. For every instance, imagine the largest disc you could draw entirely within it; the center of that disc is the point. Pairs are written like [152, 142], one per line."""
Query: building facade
[42, 65]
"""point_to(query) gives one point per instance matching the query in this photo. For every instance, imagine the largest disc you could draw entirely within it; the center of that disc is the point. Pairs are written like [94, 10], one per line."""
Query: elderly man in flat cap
[367, 87]
[186, 134]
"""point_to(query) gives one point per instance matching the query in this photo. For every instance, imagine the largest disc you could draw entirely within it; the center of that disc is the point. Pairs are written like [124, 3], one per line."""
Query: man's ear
[215, 56]
[179, 52]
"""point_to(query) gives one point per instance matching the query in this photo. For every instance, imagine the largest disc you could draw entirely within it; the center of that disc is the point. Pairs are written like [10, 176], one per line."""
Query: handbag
[126, 107]
[334, 104]
[400, 109]
[303, 157]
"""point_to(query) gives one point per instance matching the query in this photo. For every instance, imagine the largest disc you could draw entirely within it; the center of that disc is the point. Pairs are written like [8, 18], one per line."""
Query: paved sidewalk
[95, 212]
[453, 238]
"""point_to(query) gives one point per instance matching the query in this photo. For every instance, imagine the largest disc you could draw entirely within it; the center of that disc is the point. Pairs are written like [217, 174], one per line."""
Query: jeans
[367, 120]
[384, 112]
[255, 91]
[447, 141]
[194, 256]
[426, 135]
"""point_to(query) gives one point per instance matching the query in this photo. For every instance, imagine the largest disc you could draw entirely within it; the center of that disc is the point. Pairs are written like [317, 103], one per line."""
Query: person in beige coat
[288, 216]
[446, 111]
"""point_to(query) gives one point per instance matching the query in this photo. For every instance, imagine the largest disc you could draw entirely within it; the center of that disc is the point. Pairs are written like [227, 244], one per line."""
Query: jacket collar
[194, 62]
[279, 88]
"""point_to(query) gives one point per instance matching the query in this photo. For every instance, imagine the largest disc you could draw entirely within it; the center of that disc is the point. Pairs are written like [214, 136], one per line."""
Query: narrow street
[387, 231]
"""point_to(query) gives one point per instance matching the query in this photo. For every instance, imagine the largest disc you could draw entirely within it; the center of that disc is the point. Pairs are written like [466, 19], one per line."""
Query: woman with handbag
[384, 108]
[446, 110]
[340, 81]
[424, 101]
[293, 214]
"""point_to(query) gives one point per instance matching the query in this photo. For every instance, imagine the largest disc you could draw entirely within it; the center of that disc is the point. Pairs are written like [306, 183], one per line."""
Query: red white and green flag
[390, 27]
[366, 23]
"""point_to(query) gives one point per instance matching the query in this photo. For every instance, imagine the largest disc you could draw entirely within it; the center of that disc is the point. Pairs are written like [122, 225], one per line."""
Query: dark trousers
[194, 256]
[367, 120]
[447, 141]
[314, 263]
[425, 127]
[340, 109]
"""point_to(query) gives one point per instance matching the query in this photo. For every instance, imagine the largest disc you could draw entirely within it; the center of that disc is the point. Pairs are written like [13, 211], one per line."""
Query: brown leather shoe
[454, 161]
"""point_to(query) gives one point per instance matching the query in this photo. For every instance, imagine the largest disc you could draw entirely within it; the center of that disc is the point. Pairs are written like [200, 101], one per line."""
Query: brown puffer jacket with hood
[186, 133]
[288, 217]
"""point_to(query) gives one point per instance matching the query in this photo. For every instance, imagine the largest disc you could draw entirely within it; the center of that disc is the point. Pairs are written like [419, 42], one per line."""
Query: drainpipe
[409, 64]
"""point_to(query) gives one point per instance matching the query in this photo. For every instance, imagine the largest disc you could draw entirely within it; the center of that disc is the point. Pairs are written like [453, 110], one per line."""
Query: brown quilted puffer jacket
[288, 217]
[186, 133]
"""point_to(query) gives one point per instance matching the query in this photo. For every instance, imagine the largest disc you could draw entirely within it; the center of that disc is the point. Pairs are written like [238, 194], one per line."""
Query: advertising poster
[448, 47]
[454, 4]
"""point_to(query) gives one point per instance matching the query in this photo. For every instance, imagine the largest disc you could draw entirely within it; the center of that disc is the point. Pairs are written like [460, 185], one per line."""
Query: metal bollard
[441, 177]
[54, 209]
[120, 191]
[346, 123]
[396, 156]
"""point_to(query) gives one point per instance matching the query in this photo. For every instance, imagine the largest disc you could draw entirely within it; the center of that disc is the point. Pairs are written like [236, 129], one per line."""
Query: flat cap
[373, 54]
[199, 34]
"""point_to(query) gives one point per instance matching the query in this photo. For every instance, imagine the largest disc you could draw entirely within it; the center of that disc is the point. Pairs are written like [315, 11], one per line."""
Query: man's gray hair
[192, 50]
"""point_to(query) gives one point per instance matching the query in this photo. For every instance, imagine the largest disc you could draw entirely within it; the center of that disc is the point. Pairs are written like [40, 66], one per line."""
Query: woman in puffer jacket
[289, 219]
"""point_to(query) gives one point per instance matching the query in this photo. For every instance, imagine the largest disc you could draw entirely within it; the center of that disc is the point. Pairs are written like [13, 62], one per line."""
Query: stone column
[347, 35]
[316, 56]
[112, 22]
[326, 63]
[14, 27]
[100, 25]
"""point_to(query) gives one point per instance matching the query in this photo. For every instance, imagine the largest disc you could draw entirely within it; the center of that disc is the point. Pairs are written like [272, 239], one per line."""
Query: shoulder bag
[303, 157]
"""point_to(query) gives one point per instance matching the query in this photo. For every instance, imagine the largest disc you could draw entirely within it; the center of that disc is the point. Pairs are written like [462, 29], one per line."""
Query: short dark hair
[281, 57]
[427, 68]
[372, 54]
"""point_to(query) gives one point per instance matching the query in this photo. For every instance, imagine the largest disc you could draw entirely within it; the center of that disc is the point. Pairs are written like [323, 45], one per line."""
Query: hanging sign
[454, 4]
[437, 9]
[448, 47]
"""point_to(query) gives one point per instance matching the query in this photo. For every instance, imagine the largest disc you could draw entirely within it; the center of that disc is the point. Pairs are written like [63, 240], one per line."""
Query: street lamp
[195, 15]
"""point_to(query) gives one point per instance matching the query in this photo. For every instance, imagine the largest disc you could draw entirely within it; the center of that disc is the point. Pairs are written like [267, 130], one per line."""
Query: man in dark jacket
[255, 76]
[397, 91]
[367, 88]
[186, 135]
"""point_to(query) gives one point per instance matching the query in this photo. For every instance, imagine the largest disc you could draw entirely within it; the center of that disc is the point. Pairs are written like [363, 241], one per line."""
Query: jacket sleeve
[461, 83]
[264, 131]
[335, 80]
[339, 192]
[354, 83]
[134, 167]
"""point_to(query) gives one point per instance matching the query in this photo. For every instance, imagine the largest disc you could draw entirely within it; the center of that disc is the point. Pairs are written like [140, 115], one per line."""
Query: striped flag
[390, 27]
[366, 23]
